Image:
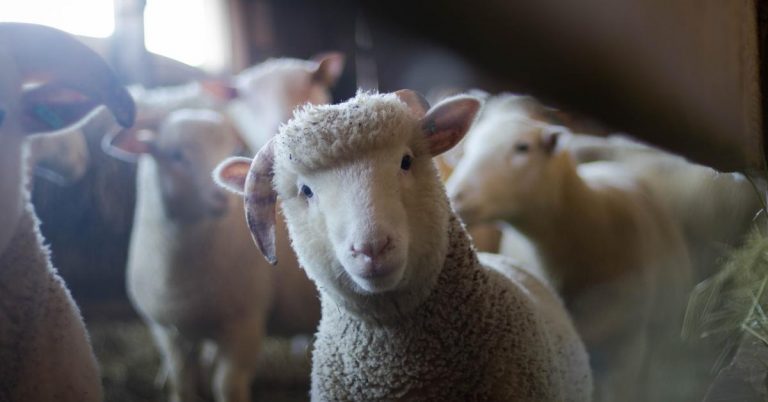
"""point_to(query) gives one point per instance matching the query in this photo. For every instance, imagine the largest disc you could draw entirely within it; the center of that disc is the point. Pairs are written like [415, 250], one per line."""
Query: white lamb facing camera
[409, 311]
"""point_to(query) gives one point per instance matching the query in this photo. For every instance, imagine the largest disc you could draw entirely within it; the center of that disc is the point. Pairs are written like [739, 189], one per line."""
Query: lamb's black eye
[306, 191]
[405, 163]
[522, 147]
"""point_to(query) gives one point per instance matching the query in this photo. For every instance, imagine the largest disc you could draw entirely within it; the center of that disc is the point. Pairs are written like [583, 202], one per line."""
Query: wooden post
[128, 53]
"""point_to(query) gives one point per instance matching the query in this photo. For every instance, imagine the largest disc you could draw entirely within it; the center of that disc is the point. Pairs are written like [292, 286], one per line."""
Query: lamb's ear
[415, 101]
[260, 199]
[549, 141]
[230, 174]
[447, 123]
[128, 144]
[329, 68]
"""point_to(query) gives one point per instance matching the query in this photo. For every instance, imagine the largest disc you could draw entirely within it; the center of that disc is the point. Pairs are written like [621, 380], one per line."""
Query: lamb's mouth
[374, 277]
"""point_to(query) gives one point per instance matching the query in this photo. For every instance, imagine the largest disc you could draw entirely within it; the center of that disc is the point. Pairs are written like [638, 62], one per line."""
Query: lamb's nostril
[372, 250]
[367, 250]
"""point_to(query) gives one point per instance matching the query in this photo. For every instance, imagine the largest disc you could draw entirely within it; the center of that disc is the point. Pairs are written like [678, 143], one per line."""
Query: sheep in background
[408, 311]
[485, 237]
[500, 237]
[153, 105]
[257, 99]
[267, 93]
[612, 249]
[193, 274]
[715, 210]
[44, 348]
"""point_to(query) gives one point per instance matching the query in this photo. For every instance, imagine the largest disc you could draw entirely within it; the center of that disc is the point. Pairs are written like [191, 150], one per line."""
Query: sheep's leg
[180, 359]
[616, 336]
[162, 374]
[239, 349]
[209, 352]
[626, 378]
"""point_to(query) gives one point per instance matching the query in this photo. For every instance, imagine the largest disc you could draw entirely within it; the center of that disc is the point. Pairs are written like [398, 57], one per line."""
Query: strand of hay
[734, 301]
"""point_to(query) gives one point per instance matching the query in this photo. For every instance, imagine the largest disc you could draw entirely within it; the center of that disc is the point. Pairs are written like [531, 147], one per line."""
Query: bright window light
[94, 18]
[190, 31]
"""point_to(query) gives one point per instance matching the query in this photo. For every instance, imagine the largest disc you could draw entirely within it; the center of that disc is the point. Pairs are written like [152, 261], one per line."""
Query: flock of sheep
[602, 238]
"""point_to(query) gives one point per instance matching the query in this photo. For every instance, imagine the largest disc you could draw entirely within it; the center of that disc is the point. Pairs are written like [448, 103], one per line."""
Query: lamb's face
[504, 171]
[369, 218]
[365, 209]
[189, 145]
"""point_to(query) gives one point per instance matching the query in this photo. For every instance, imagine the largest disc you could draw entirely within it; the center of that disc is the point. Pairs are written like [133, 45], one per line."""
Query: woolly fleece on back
[478, 336]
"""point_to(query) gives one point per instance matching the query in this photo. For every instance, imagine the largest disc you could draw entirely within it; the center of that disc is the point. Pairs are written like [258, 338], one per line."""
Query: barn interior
[685, 77]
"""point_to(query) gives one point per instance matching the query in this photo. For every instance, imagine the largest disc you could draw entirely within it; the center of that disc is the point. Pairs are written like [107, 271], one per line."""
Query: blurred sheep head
[506, 167]
[49, 82]
[288, 83]
[186, 148]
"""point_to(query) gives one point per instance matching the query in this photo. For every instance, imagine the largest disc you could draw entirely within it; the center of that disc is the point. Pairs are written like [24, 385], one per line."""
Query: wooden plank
[682, 74]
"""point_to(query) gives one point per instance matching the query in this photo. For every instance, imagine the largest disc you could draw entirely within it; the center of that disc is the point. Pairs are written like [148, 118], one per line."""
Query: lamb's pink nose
[373, 249]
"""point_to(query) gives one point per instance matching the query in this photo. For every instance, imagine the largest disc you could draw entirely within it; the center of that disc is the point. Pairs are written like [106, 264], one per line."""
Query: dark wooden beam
[681, 74]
